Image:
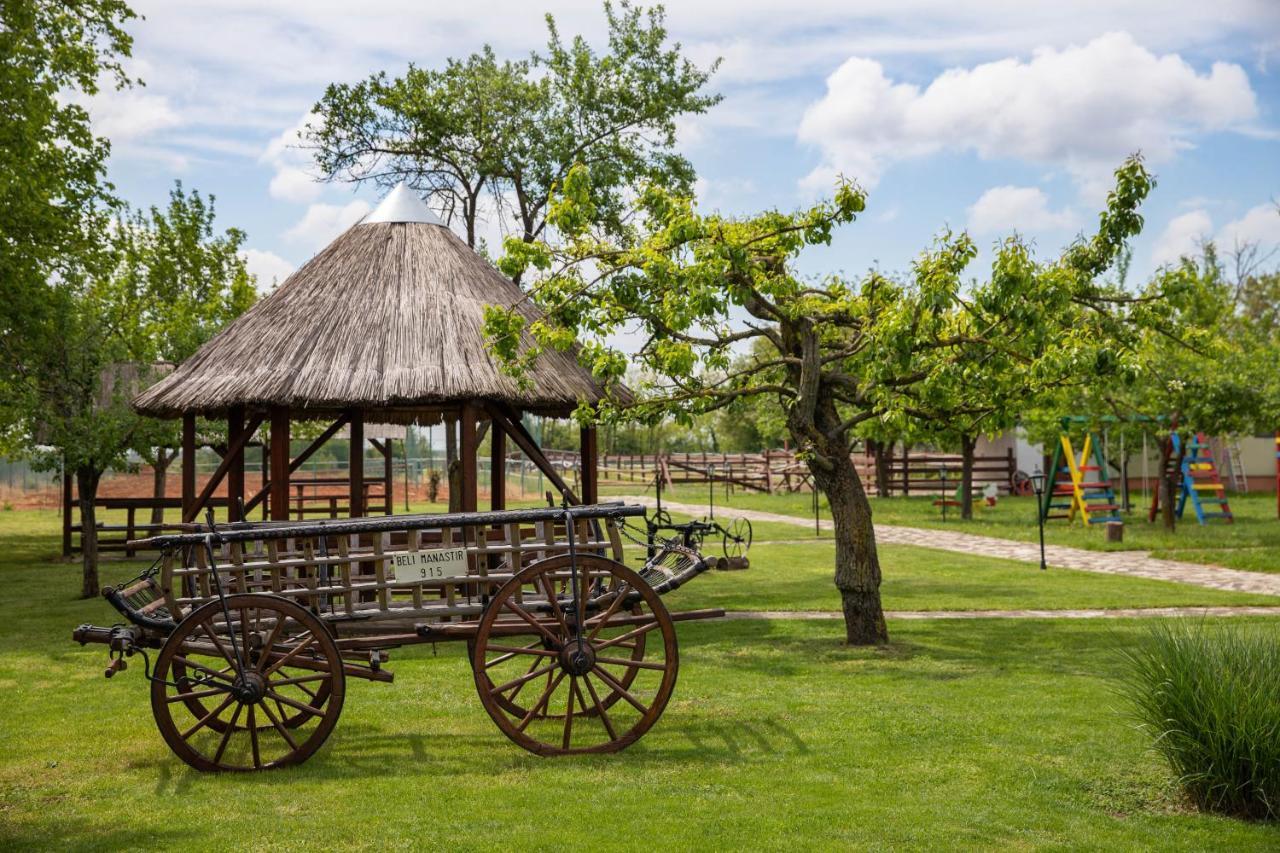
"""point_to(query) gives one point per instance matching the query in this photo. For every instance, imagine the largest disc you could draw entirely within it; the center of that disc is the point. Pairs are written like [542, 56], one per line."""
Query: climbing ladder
[1227, 454]
[1201, 484]
[1080, 485]
[1197, 472]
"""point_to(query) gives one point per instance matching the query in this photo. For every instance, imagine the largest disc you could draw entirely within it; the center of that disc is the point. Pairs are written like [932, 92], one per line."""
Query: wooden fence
[912, 471]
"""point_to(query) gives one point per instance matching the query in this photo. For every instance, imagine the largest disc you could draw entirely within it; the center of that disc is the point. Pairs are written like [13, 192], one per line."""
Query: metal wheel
[737, 538]
[594, 689]
[260, 691]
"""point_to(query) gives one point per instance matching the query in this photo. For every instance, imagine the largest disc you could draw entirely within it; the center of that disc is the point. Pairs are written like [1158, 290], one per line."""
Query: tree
[176, 282]
[483, 133]
[54, 207]
[836, 352]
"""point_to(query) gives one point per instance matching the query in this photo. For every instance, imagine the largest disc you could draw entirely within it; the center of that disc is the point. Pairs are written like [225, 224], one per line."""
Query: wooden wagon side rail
[347, 570]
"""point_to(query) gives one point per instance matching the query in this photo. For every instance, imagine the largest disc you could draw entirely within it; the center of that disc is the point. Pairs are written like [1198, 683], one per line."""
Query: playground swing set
[1081, 485]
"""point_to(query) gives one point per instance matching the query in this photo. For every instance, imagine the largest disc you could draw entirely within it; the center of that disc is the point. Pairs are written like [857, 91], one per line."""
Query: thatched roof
[387, 318]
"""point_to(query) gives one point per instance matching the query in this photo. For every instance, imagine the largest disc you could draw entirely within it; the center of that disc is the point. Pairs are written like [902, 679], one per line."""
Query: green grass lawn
[1251, 543]
[979, 734]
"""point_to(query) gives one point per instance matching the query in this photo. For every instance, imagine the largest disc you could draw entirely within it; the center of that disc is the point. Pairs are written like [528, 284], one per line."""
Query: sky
[987, 115]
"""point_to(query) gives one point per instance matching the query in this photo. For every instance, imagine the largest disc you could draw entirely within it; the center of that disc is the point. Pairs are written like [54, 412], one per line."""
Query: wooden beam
[355, 462]
[497, 467]
[236, 448]
[297, 461]
[467, 450]
[510, 423]
[188, 462]
[588, 460]
[279, 463]
[235, 474]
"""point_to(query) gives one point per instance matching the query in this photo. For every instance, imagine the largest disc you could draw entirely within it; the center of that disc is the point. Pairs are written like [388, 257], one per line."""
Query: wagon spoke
[541, 703]
[512, 651]
[226, 735]
[568, 714]
[217, 642]
[284, 733]
[315, 712]
[600, 621]
[253, 738]
[528, 676]
[291, 654]
[195, 694]
[548, 588]
[299, 681]
[637, 664]
[524, 614]
[199, 667]
[604, 715]
[619, 689]
[270, 644]
[204, 721]
[635, 632]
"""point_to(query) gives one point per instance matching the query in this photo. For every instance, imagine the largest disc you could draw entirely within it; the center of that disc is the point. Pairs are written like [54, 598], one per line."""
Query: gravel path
[1137, 564]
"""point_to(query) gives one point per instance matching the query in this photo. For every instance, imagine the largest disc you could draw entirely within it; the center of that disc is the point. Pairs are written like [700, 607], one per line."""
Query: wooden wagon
[259, 626]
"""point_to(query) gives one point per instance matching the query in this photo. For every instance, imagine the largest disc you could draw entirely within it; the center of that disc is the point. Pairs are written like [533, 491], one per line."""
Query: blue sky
[990, 115]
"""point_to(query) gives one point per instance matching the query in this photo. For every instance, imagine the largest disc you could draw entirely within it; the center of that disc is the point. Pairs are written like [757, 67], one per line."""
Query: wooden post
[588, 460]
[235, 473]
[66, 512]
[467, 449]
[497, 467]
[279, 495]
[355, 457]
[388, 472]
[188, 462]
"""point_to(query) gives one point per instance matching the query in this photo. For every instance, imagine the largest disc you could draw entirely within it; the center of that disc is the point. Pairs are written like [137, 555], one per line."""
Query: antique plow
[258, 626]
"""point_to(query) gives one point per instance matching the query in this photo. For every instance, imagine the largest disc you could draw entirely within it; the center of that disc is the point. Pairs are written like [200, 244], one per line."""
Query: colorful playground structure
[1193, 465]
[1080, 484]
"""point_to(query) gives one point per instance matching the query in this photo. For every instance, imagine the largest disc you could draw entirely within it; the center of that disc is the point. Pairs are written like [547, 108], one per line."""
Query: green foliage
[485, 137]
[1209, 696]
[54, 346]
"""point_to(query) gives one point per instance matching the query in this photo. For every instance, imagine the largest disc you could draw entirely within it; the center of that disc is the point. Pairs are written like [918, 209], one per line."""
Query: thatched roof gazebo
[382, 325]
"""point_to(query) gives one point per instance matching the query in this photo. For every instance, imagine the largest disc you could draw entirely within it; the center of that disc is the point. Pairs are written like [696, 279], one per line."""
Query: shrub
[1210, 697]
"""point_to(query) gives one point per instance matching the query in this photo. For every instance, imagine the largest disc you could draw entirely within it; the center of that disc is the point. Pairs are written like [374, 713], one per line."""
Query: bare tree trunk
[87, 485]
[160, 474]
[857, 563]
[1169, 490]
[967, 444]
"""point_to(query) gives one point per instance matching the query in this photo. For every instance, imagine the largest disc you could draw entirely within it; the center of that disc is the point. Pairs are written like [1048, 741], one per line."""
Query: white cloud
[295, 178]
[1182, 236]
[270, 268]
[1260, 225]
[132, 114]
[1022, 209]
[322, 222]
[1082, 108]
[1185, 234]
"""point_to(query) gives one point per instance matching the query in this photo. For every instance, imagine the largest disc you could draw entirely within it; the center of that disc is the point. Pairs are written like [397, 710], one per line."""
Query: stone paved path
[1118, 613]
[1137, 564]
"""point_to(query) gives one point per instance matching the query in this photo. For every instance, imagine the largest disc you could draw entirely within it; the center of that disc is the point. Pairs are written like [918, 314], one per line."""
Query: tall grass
[1209, 694]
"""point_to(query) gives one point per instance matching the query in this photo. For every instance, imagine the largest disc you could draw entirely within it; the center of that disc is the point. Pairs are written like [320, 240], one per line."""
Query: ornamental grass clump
[1209, 695]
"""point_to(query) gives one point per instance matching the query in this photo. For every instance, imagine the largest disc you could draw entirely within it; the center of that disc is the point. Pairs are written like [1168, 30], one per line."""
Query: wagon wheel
[516, 704]
[527, 639]
[291, 671]
[737, 538]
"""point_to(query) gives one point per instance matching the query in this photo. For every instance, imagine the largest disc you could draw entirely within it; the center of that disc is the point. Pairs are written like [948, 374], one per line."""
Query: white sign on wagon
[437, 563]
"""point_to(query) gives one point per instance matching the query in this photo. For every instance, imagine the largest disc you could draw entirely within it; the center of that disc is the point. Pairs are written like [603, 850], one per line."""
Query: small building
[384, 325]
